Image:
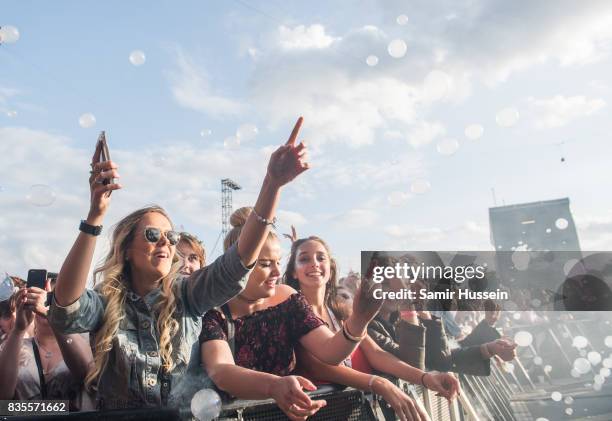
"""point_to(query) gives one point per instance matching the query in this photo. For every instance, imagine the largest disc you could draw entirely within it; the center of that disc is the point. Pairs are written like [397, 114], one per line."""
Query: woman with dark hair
[312, 270]
[248, 345]
[48, 365]
[143, 316]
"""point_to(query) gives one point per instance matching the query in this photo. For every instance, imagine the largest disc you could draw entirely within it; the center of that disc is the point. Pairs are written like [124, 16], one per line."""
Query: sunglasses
[153, 235]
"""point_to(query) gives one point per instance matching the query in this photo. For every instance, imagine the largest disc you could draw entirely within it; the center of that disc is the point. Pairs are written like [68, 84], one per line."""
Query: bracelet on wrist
[349, 337]
[264, 220]
[371, 382]
[423, 380]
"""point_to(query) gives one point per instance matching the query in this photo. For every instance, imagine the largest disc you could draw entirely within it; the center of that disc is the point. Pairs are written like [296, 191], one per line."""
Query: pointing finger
[294, 133]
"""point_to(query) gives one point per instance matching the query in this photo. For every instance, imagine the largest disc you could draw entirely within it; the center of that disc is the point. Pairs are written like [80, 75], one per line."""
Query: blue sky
[374, 131]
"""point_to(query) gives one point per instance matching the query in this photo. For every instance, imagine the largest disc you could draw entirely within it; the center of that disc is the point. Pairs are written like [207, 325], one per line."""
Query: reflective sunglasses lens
[152, 235]
[173, 237]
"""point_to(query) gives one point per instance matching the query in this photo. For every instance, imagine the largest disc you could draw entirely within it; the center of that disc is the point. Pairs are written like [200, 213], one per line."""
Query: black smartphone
[104, 153]
[37, 278]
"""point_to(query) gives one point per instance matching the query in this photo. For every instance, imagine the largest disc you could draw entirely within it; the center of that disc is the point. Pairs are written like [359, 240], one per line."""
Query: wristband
[94, 230]
[423, 380]
[372, 378]
[349, 337]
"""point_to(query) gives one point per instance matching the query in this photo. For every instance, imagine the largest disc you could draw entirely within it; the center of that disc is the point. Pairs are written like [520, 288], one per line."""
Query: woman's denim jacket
[133, 376]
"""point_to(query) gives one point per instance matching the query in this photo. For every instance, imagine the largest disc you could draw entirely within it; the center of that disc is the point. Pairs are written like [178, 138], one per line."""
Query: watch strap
[90, 229]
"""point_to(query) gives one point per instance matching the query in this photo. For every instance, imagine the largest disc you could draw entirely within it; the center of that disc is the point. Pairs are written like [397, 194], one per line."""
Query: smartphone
[104, 153]
[37, 278]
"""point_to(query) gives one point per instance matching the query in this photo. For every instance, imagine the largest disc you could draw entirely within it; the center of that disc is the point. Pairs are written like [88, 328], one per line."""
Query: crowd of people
[159, 312]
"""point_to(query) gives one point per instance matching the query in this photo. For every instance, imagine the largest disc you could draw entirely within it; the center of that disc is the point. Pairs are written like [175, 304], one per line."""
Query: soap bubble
[556, 396]
[568, 400]
[397, 48]
[507, 117]
[574, 373]
[604, 372]
[402, 20]
[569, 411]
[137, 57]
[567, 267]
[580, 342]
[594, 357]
[447, 146]
[516, 316]
[436, 85]
[372, 60]
[205, 132]
[537, 360]
[474, 131]
[608, 341]
[398, 198]
[547, 368]
[11, 113]
[561, 223]
[541, 419]
[206, 405]
[599, 379]
[607, 363]
[548, 230]
[87, 120]
[521, 259]
[9, 34]
[523, 338]
[582, 365]
[420, 186]
[246, 132]
[231, 142]
[40, 195]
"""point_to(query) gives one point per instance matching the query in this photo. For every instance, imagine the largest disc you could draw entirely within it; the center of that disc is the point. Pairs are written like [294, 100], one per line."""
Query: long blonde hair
[115, 273]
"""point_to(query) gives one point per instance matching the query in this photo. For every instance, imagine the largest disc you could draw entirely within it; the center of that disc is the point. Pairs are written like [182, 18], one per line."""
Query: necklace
[47, 354]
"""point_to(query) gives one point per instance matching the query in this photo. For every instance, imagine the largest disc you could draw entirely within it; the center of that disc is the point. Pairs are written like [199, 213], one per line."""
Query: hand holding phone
[104, 154]
[37, 278]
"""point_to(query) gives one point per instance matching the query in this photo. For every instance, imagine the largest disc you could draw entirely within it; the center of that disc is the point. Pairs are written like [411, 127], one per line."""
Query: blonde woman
[144, 317]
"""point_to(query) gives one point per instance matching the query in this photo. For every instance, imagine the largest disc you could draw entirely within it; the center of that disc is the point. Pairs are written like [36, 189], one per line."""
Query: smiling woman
[144, 318]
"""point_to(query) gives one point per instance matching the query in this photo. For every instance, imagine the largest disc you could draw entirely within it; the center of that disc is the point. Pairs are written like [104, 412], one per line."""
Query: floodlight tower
[227, 186]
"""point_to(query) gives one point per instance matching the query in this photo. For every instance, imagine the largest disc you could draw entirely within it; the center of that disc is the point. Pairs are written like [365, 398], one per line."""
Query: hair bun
[240, 216]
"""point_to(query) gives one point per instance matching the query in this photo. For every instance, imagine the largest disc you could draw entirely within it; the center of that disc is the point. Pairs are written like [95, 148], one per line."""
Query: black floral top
[265, 340]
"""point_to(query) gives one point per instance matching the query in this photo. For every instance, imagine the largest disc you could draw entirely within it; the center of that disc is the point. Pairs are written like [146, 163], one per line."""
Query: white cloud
[186, 182]
[191, 88]
[304, 38]
[356, 218]
[289, 218]
[559, 110]
[424, 133]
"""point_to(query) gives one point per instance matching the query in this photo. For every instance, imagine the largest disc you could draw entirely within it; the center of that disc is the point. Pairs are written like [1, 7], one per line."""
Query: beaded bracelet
[264, 220]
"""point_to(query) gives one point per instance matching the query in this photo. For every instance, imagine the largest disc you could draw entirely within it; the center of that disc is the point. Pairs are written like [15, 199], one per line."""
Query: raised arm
[72, 277]
[243, 383]
[286, 163]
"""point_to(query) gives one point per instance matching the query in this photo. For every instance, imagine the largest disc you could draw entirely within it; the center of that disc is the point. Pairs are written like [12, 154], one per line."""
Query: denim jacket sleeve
[214, 284]
[84, 315]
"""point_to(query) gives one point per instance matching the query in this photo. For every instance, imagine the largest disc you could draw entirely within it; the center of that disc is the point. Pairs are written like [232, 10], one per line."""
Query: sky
[419, 117]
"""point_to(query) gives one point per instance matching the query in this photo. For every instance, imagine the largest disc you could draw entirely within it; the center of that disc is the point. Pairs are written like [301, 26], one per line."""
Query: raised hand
[293, 236]
[289, 160]
[100, 192]
[24, 313]
[504, 348]
[292, 400]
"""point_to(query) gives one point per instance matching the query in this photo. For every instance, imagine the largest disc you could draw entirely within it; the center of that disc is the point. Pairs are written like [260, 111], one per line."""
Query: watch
[90, 229]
